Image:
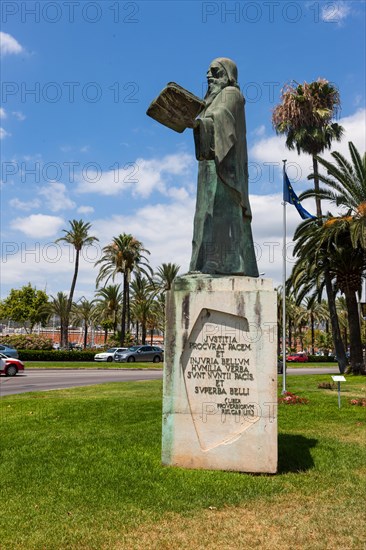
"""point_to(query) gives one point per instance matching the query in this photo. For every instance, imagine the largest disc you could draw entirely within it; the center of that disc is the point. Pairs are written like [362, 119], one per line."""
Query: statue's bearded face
[217, 78]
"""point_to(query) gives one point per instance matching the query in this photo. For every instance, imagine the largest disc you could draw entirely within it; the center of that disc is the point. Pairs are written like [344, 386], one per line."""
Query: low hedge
[55, 355]
[322, 359]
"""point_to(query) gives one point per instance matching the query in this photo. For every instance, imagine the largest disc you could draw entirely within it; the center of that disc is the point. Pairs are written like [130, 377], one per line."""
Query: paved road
[53, 379]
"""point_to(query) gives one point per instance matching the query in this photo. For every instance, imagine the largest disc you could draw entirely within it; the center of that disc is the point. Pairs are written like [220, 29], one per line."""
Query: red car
[10, 366]
[297, 358]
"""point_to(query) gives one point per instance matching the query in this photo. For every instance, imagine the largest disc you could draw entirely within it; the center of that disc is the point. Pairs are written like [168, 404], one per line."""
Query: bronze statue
[222, 235]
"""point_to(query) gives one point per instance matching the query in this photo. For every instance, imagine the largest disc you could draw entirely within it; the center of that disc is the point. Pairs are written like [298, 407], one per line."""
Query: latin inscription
[219, 368]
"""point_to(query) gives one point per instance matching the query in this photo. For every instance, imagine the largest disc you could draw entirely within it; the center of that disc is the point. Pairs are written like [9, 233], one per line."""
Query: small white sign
[339, 378]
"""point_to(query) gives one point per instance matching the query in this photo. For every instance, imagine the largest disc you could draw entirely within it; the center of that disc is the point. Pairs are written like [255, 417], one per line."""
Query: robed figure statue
[222, 237]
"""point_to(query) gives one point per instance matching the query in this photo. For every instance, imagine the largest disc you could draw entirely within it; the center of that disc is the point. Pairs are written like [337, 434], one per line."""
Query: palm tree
[346, 186]
[165, 275]
[313, 312]
[143, 295]
[86, 312]
[78, 236]
[124, 255]
[109, 299]
[330, 244]
[58, 306]
[305, 117]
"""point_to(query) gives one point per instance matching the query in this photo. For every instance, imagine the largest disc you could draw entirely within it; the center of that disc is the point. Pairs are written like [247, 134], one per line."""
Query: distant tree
[58, 306]
[109, 301]
[123, 256]
[85, 312]
[24, 306]
[78, 236]
[165, 275]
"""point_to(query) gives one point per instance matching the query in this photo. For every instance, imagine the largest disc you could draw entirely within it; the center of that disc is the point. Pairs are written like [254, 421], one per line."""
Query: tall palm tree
[123, 256]
[86, 312]
[109, 299]
[78, 236]
[165, 275]
[305, 117]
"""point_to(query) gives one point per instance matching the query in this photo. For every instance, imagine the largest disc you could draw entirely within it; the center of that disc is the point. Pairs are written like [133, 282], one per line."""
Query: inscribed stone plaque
[221, 385]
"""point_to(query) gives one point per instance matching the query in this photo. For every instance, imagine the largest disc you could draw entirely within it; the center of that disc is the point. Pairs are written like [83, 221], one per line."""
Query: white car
[108, 355]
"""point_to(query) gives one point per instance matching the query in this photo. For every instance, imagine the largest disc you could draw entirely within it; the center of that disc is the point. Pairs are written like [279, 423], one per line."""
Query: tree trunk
[63, 335]
[312, 333]
[137, 332]
[143, 333]
[151, 336]
[316, 187]
[124, 308]
[105, 335]
[85, 334]
[356, 359]
[71, 296]
[336, 333]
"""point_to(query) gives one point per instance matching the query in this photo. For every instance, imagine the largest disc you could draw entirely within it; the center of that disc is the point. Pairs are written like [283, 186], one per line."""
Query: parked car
[8, 351]
[9, 365]
[297, 358]
[108, 355]
[140, 354]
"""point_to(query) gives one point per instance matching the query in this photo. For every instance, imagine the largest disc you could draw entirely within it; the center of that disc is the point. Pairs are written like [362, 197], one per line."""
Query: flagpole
[284, 291]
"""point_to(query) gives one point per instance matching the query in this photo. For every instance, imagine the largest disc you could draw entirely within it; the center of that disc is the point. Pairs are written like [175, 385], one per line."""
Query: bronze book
[175, 107]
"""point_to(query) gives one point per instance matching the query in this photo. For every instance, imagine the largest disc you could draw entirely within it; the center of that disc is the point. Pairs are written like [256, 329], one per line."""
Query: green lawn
[80, 469]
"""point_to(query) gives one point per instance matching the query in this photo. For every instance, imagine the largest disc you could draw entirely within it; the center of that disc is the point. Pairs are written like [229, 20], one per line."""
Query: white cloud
[19, 115]
[56, 197]
[141, 178]
[23, 205]
[335, 12]
[9, 45]
[85, 210]
[259, 131]
[85, 149]
[2, 112]
[3, 133]
[38, 226]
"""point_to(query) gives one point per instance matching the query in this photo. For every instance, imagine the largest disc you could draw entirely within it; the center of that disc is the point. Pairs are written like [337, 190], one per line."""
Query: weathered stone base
[220, 374]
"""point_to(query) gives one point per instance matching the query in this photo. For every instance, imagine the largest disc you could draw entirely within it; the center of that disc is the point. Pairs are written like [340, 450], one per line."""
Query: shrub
[327, 386]
[27, 341]
[54, 355]
[358, 402]
[292, 399]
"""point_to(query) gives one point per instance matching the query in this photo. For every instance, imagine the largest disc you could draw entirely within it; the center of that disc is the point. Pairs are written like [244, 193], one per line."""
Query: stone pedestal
[220, 374]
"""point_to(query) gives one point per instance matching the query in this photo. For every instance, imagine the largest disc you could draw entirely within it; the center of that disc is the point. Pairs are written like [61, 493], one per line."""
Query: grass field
[80, 469]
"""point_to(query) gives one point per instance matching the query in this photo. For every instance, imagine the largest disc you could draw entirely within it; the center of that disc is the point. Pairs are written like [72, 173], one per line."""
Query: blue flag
[290, 196]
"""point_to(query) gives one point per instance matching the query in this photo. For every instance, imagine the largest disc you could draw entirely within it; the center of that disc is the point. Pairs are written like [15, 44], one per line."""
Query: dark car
[9, 365]
[140, 354]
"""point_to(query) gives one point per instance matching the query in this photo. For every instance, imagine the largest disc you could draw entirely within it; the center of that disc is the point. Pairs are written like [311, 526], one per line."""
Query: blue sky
[77, 78]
